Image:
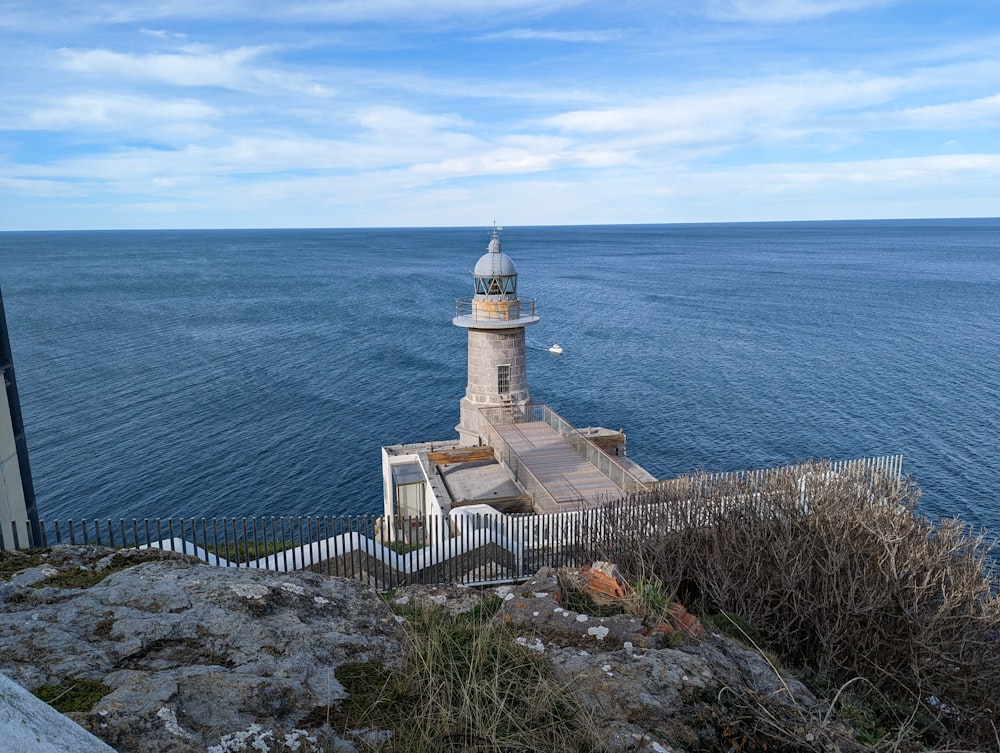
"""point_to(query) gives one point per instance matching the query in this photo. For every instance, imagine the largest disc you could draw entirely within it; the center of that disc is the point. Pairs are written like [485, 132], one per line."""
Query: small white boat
[555, 348]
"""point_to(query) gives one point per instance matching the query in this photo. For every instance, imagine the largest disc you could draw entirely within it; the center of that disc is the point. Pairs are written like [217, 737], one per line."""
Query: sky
[409, 113]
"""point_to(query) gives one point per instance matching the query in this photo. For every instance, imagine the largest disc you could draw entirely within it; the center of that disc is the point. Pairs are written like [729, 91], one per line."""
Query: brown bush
[839, 575]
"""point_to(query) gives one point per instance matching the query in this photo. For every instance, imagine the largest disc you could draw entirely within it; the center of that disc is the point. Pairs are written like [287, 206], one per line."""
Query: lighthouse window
[496, 285]
[503, 379]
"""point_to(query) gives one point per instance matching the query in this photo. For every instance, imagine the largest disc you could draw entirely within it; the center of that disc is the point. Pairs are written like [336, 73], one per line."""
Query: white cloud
[983, 112]
[131, 115]
[307, 11]
[892, 173]
[780, 11]
[555, 35]
[386, 119]
[40, 187]
[397, 10]
[163, 34]
[631, 112]
[720, 118]
[191, 67]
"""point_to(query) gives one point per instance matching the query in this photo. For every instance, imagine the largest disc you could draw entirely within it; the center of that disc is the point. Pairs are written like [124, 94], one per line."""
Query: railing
[499, 310]
[506, 455]
[620, 476]
[474, 545]
[605, 463]
[890, 465]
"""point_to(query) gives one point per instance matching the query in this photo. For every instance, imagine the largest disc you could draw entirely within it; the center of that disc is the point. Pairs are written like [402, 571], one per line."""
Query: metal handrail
[619, 475]
[623, 478]
[507, 456]
[491, 310]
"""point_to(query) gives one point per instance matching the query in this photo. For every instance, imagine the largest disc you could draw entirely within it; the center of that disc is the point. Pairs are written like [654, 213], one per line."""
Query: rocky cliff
[180, 657]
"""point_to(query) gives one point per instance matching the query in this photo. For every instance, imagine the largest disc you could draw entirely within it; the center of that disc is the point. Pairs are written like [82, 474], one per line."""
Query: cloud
[26, 186]
[427, 10]
[554, 35]
[163, 34]
[192, 67]
[131, 115]
[729, 115]
[905, 172]
[784, 11]
[983, 112]
[303, 11]
[387, 119]
[631, 112]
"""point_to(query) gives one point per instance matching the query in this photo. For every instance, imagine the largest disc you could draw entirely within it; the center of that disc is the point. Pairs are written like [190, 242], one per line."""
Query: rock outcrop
[193, 655]
[652, 689]
[201, 659]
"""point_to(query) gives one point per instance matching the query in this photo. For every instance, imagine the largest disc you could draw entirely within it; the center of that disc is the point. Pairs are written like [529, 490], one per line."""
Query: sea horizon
[293, 228]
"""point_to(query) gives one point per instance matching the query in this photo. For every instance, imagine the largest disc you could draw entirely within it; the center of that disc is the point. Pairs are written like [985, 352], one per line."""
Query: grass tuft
[466, 686]
[73, 694]
[12, 562]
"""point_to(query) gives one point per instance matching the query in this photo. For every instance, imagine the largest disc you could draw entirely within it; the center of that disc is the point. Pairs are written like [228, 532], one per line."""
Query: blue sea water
[258, 372]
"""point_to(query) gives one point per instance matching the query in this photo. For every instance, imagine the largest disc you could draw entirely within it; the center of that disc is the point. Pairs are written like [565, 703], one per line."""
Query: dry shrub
[838, 574]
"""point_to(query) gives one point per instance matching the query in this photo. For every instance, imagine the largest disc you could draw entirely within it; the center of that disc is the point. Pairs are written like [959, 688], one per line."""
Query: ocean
[254, 372]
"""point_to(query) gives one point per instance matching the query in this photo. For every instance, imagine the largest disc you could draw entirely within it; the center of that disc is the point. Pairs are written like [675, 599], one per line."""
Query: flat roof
[480, 482]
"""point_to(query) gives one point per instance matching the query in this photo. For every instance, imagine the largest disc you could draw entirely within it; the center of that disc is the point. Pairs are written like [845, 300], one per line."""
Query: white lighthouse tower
[495, 318]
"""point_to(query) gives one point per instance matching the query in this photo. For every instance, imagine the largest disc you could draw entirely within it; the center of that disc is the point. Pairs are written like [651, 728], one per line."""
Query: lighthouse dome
[494, 263]
[495, 273]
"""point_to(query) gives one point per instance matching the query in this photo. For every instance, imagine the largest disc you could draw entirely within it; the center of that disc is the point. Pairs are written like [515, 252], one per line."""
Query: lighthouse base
[472, 427]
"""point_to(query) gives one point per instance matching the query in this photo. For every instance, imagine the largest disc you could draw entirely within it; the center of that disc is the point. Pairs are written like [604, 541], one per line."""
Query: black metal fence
[464, 548]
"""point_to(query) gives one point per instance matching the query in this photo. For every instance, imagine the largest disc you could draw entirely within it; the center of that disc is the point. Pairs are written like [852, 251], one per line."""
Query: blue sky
[373, 113]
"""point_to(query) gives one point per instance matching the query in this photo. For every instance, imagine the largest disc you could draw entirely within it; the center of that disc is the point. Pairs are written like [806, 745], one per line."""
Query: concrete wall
[28, 724]
[13, 508]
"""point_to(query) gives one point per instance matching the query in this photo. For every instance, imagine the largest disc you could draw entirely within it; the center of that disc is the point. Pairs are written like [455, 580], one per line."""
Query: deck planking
[564, 473]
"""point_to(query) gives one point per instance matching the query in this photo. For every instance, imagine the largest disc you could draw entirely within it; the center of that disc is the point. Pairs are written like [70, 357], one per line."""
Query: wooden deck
[567, 476]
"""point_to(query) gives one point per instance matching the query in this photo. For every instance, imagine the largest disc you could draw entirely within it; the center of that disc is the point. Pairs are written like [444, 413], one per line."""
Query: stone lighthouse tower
[495, 318]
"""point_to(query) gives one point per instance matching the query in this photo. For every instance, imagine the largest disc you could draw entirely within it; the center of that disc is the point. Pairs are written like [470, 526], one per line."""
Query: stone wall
[489, 349]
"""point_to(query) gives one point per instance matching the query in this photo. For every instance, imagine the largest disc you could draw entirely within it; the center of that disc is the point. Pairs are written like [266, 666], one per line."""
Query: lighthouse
[495, 317]
[512, 455]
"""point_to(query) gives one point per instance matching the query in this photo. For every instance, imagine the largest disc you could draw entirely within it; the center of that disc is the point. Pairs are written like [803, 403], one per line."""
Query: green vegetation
[12, 562]
[402, 547]
[85, 577]
[249, 551]
[73, 694]
[854, 588]
[74, 578]
[735, 627]
[485, 610]
[650, 599]
[578, 600]
[466, 686]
